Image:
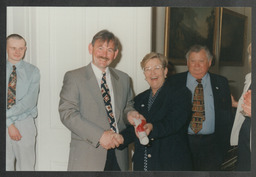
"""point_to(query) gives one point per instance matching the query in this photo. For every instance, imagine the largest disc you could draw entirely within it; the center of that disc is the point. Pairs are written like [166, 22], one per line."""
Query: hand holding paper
[140, 131]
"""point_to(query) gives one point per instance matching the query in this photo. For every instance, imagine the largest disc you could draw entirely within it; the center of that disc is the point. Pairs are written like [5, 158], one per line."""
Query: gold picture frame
[185, 26]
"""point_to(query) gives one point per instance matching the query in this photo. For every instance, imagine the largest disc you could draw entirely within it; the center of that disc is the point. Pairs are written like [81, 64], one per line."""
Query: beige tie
[198, 113]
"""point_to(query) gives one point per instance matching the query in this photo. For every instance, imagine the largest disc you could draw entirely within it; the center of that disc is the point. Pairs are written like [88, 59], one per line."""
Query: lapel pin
[142, 105]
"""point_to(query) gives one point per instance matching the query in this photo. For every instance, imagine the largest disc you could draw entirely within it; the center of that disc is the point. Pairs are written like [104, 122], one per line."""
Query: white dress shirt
[239, 118]
[98, 74]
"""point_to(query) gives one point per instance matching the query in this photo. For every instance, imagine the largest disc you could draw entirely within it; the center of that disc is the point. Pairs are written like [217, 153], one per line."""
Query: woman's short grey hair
[153, 55]
[198, 48]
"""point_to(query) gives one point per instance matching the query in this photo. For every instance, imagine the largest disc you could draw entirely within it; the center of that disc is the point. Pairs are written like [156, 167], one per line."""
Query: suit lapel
[93, 86]
[158, 103]
[215, 88]
[183, 80]
[118, 92]
[143, 105]
[156, 106]
[216, 97]
[95, 90]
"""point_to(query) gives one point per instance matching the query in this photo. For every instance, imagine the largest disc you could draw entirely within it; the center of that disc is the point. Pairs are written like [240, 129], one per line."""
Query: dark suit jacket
[222, 105]
[169, 115]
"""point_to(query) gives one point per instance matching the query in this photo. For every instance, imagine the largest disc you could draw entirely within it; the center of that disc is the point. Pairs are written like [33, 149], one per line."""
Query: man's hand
[110, 140]
[119, 138]
[14, 133]
[247, 106]
[134, 114]
[234, 102]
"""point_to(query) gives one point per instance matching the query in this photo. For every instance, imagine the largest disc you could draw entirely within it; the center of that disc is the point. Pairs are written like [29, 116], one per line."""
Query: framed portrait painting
[232, 38]
[185, 27]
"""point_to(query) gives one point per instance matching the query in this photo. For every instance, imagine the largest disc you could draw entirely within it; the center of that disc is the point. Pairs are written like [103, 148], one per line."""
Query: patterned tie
[107, 101]
[198, 114]
[11, 100]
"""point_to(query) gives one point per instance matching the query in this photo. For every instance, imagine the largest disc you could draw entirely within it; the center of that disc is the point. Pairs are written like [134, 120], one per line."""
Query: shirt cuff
[9, 122]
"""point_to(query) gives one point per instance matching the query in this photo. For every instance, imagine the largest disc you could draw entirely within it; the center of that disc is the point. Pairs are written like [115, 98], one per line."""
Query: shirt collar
[192, 80]
[18, 65]
[98, 72]
[157, 90]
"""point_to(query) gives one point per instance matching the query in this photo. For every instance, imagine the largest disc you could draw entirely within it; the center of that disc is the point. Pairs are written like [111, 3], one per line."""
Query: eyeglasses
[154, 68]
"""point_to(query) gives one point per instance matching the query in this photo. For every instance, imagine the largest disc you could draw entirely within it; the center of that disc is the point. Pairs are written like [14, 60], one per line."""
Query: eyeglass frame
[154, 68]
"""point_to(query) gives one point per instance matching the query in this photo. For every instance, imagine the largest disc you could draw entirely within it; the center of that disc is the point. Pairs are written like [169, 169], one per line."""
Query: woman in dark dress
[166, 110]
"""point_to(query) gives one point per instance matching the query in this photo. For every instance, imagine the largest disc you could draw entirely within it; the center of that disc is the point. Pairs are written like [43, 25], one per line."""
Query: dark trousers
[244, 153]
[205, 155]
[111, 162]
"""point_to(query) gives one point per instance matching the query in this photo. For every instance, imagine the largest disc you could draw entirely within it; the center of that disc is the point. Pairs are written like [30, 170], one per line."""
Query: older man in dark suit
[211, 121]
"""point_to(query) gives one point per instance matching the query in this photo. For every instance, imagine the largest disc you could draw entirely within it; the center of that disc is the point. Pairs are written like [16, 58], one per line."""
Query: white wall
[58, 39]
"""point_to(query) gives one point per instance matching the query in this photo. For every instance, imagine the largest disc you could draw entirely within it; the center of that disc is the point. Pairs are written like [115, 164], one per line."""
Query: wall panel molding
[58, 39]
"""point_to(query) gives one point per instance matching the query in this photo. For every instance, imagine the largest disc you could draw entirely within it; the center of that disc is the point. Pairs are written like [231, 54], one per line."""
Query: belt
[201, 135]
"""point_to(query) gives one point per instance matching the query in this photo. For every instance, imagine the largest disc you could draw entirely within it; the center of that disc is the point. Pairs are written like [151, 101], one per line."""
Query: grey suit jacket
[82, 111]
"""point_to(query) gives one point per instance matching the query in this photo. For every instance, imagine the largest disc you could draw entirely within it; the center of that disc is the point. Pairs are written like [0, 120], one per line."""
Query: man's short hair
[15, 36]
[105, 35]
[197, 48]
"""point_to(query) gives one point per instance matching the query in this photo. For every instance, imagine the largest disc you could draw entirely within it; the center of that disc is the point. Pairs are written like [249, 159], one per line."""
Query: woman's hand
[148, 128]
[134, 115]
